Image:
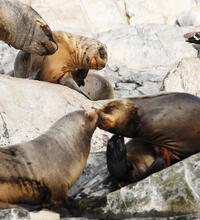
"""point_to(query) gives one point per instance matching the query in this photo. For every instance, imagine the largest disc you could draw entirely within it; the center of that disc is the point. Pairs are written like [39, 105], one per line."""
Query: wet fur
[169, 121]
[73, 59]
[131, 162]
[42, 170]
[23, 28]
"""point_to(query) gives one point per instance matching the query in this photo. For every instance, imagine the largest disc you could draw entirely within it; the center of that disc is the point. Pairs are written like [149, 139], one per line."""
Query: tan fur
[115, 116]
[23, 28]
[97, 87]
[74, 52]
[68, 66]
[42, 170]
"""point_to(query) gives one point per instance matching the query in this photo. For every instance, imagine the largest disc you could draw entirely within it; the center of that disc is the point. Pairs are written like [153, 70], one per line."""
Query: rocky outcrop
[147, 53]
[173, 191]
[184, 77]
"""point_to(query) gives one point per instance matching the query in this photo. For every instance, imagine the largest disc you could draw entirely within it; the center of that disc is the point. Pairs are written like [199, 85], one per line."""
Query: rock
[170, 192]
[140, 57]
[184, 77]
[44, 215]
[155, 11]
[25, 113]
[146, 46]
[14, 213]
[189, 18]
[74, 21]
[82, 17]
[7, 58]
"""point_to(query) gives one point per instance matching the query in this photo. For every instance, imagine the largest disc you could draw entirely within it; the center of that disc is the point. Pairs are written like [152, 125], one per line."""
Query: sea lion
[169, 122]
[42, 170]
[23, 28]
[97, 87]
[69, 65]
[131, 162]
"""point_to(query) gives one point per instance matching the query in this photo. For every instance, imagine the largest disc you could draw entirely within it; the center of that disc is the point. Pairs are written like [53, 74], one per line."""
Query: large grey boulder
[184, 77]
[30, 107]
[139, 57]
[190, 17]
[170, 192]
[155, 11]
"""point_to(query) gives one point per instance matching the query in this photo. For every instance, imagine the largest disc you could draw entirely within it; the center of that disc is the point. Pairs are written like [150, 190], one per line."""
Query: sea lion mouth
[105, 123]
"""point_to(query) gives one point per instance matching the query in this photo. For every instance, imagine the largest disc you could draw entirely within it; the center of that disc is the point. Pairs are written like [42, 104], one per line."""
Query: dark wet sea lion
[97, 87]
[23, 28]
[42, 170]
[133, 161]
[169, 122]
[70, 64]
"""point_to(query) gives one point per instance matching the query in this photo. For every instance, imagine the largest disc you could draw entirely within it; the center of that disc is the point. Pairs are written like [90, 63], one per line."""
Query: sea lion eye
[108, 109]
[101, 52]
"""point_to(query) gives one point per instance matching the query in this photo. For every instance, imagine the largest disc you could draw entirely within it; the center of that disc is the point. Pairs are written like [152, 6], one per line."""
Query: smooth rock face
[25, 113]
[184, 77]
[189, 18]
[155, 11]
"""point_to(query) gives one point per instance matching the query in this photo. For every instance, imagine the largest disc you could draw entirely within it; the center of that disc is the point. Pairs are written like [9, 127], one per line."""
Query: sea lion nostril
[102, 52]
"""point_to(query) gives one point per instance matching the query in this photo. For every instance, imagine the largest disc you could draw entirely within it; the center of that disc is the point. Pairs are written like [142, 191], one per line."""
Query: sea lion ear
[91, 115]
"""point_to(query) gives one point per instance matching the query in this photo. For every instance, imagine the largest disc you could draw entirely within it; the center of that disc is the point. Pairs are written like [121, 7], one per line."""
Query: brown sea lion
[169, 122]
[23, 28]
[97, 87]
[69, 65]
[133, 161]
[42, 170]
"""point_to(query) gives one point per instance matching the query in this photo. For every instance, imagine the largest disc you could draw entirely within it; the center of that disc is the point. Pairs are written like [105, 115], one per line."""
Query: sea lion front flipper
[69, 82]
[27, 65]
[116, 157]
[157, 165]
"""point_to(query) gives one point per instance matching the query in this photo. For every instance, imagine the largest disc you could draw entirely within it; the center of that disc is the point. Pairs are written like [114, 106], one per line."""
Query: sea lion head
[88, 121]
[118, 117]
[95, 55]
[43, 43]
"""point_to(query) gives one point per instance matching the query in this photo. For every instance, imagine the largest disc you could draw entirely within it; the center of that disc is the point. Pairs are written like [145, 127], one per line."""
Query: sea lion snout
[105, 121]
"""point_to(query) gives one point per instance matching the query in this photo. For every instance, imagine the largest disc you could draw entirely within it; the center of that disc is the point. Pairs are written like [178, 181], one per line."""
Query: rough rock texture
[173, 191]
[184, 77]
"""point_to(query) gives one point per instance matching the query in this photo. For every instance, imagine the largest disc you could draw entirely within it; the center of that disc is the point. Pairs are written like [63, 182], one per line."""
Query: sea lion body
[23, 28]
[74, 53]
[42, 170]
[167, 121]
[97, 87]
[132, 161]
[69, 65]
[27, 65]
